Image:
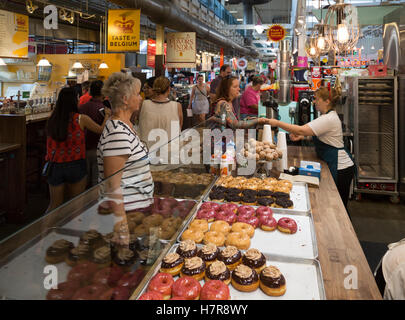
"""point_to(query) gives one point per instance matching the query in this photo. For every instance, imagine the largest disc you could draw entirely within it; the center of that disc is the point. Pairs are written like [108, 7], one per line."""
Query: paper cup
[267, 134]
[281, 140]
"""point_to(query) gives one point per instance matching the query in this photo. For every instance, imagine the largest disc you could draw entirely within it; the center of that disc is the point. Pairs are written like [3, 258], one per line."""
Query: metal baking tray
[303, 278]
[299, 195]
[301, 244]
[22, 272]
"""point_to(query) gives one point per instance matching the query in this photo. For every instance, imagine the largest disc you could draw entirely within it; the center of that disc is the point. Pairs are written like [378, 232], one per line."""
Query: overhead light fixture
[311, 48]
[2, 63]
[43, 63]
[319, 32]
[103, 65]
[372, 47]
[343, 29]
[77, 65]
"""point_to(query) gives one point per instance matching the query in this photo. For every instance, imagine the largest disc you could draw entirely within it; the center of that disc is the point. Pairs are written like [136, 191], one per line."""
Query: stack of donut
[233, 225]
[86, 282]
[254, 191]
[261, 150]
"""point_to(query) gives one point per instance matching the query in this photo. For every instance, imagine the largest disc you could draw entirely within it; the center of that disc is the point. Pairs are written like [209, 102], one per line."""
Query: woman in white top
[328, 138]
[199, 100]
[160, 113]
[120, 151]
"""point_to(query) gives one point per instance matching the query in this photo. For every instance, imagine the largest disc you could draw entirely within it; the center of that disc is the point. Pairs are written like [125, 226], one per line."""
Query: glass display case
[91, 242]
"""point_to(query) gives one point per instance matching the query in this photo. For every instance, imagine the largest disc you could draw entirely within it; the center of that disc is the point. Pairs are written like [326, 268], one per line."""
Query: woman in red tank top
[66, 148]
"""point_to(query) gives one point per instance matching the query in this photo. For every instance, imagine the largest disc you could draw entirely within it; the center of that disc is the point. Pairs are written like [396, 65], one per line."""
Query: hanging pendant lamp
[343, 28]
[311, 48]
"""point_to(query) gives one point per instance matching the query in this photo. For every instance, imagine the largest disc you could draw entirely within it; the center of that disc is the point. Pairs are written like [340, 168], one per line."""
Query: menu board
[13, 35]
[181, 50]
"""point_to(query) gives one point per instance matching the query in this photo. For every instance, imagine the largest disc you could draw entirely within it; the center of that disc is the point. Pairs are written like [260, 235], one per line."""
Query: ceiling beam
[252, 26]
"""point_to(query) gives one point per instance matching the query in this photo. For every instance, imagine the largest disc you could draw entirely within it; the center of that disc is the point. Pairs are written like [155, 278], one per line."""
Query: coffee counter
[338, 246]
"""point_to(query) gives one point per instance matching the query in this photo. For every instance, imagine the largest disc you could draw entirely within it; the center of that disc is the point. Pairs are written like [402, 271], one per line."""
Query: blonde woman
[120, 152]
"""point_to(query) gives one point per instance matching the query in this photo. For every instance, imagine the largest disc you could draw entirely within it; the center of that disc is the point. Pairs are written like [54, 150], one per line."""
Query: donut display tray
[299, 195]
[303, 279]
[301, 244]
[24, 268]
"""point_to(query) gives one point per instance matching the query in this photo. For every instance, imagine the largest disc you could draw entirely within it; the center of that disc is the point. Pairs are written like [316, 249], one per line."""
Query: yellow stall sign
[13, 35]
[123, 30]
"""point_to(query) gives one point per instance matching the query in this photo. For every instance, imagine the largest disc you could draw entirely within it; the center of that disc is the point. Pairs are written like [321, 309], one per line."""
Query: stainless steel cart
[375, 113]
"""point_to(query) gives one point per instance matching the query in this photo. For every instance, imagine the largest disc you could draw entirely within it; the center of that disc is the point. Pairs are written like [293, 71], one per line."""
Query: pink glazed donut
[226, 215]
[206, 214]
[287, 225]
[246, 211]
[264, 211]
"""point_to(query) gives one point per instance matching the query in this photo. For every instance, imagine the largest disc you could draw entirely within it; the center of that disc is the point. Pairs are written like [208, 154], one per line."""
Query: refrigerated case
[374, 117]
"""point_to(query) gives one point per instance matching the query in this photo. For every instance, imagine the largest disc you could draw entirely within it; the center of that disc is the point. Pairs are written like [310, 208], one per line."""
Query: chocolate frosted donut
[279, 194]
[59, 247]
[265, 201]
[209, 252]
[284, 202]
[102, 255]
[253, 258]
[218, 271]
[172, 260]
[232, 197]
[217, 195]
[193, 266]
[234, 191]
[229, 255]
[248, 192]
[124, 257]
[187, 249]
[272, 277]
[249, 199]
[244, 275]
[264, 193]
[218, 189]
[81, 252]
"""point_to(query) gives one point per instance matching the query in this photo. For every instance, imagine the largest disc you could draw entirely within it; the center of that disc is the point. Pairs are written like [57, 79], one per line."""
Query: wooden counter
[338, 245]
[6, 147]
[43, 116]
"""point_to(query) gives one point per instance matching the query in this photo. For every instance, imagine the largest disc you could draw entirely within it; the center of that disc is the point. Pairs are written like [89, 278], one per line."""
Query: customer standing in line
[85, 93]
[249, 103]
[93, 110]
[120, 152]
[199, 100]
[326, 132]
[160, 113]
[226, 93]
[66, 148]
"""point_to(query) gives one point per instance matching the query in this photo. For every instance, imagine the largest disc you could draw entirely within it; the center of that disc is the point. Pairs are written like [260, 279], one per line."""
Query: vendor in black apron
[326, 132]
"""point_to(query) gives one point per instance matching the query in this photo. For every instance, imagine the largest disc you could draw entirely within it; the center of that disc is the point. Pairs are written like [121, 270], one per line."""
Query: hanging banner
[276, 33]
[151, 53]
[123, 30]
[221, 61]
[206, 62]
[13, 35]
[181, 50]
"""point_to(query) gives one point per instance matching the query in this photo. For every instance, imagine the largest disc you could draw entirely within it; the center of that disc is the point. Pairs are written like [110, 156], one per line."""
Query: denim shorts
[67, 172]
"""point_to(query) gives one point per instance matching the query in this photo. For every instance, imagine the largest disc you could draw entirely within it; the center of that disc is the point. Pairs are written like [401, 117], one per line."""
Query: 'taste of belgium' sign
[276, 33]
[123, 30]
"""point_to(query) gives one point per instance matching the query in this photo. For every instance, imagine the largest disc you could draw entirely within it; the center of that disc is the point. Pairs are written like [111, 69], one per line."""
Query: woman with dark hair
[227, 91]
[66, 148]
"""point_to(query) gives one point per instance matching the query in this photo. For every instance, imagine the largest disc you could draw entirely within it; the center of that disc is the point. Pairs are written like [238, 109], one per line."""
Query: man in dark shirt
[92, 109]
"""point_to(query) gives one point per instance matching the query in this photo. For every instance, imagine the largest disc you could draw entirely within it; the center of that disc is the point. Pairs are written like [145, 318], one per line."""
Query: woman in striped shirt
[120, 152]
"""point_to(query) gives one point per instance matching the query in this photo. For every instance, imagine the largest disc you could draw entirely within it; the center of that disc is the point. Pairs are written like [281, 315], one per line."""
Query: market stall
[321, 259]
